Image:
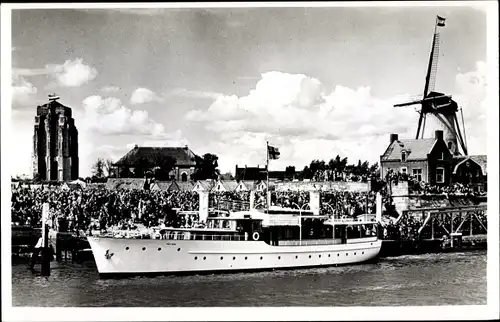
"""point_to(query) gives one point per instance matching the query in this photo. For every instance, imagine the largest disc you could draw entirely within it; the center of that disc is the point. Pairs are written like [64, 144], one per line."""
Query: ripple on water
[429, 279]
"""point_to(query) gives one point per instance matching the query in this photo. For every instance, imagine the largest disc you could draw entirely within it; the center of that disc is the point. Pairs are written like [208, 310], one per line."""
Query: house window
[404, 170]
[417, 173]
[441, 156]
[403, 156]
[184, 176]
[440, 175]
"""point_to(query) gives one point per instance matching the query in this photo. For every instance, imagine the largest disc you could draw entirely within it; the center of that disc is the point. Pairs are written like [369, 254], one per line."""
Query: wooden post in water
[45, 270]
[470, 224]
[432, 227]
[452, 235]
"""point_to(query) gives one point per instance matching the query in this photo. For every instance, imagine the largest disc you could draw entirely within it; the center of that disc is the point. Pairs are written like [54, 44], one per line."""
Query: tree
[227, 176]
[98, 169]
[206, 167]
[163, 166]
[108, 168]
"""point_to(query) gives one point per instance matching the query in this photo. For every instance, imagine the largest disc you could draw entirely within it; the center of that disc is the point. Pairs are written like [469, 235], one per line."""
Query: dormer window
[403, 156]
[441, 156]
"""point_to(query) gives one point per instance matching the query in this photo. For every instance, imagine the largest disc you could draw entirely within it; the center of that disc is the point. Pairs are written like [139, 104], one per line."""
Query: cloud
[144, 95]
[194, 93]
[470, 94]
[109, 116]
[72, 73]
[308, 121]
[110, 89]
[22, 92]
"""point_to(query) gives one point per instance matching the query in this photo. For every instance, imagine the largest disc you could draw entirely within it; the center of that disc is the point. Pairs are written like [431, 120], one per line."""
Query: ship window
[338, 255]
[261, 257]
[309, 256]
[127, 248]
[347, 254]
[328, 255]
[234, 258]
[159, 248]
[246, 258]
[178, 249]
[221, 258]
[143, 248]
[354, 253]
[319, 256]
[362, 253]
[204, 258]
[279, 257]
[296, 257]
[195, 258]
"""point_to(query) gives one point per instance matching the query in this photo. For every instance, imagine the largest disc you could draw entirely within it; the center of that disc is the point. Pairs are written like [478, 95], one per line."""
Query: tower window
[440, 175]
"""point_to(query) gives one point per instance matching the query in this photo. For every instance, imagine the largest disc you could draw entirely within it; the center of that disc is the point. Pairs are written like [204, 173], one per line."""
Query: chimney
[136, 146]
[439, 135]
[185, 147]
[393, 137]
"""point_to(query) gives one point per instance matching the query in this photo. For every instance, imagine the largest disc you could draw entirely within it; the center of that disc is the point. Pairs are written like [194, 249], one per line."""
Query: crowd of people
[348, 203]
[99, 208]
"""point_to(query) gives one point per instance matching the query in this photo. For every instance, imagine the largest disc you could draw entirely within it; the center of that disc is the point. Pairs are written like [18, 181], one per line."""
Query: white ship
[277, 238]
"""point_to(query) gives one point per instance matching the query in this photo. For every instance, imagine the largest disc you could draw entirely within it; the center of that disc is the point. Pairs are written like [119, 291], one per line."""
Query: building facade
[428, 160]
[152, 157]
[55, 143]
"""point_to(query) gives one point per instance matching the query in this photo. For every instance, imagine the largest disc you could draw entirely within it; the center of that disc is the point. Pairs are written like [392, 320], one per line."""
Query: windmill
[439, 105]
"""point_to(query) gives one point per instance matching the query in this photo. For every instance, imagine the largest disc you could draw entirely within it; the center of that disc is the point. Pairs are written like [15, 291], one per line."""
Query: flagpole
[268, 195]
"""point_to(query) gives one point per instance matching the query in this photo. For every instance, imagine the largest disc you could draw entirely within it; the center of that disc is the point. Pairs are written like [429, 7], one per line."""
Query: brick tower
[55, 142]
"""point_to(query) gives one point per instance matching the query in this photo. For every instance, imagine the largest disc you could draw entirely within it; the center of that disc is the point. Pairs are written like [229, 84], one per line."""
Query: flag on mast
[440, 21]
[273, 152]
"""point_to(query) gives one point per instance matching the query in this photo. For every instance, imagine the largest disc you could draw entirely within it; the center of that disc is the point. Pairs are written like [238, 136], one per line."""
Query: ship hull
[125, 257]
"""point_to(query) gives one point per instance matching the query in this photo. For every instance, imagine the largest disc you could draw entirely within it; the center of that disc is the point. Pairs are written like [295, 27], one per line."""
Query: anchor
[108, 255]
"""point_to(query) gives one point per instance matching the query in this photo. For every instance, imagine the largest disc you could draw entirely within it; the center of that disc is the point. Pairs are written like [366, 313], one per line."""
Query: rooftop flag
[440, 21]
[273, 152]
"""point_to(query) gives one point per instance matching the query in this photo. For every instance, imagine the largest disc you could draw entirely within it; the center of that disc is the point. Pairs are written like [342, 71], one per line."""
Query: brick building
[55, 143]
[184, 160]
[430, 160]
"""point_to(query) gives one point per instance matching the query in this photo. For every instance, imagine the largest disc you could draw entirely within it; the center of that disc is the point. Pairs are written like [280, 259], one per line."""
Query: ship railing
[310, 242]
[197, 236]
[230, 205]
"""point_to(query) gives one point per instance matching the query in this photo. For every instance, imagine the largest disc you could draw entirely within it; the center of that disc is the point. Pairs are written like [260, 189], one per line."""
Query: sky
[314, 82]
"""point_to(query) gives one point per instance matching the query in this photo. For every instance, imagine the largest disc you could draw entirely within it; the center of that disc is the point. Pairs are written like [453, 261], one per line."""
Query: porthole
[319, 256]
[371, 243]
[195, 258]
[221, 258]
[338, 254]
[234, 258]
[296, 257]
[279, 257]
[204, 258]
[143, 248]
[328, 255]
[362, 253]
[159, 248]
[260, 257]
[127, 248]
[246, 258]
[347, 254]
[309, 256]
[354, 253]
[178, 249]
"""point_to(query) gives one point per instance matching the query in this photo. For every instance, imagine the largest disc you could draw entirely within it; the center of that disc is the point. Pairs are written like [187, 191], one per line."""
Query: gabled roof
[229, 185]
[480, 160]
[205, 185]
[183, 156]
[415, 149]
[181, 185]
[161, 185]
[125, 183]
